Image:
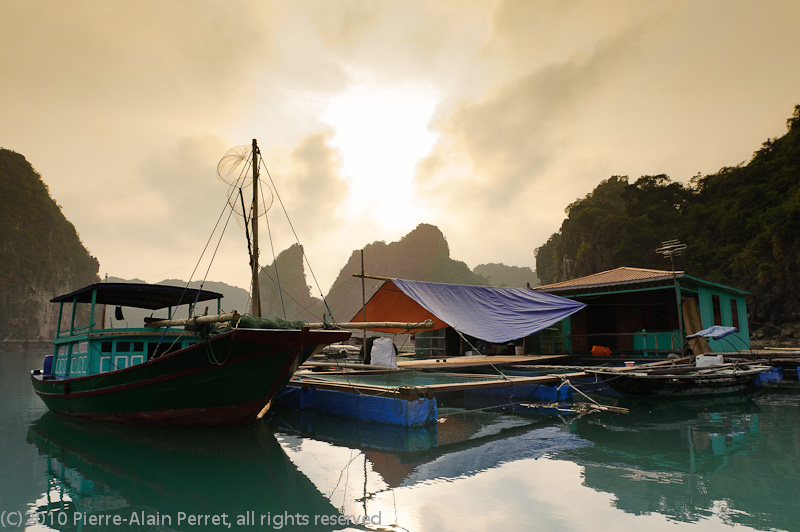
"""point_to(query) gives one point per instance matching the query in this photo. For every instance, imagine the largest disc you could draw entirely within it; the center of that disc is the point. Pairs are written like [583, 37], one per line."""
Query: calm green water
[726, 464]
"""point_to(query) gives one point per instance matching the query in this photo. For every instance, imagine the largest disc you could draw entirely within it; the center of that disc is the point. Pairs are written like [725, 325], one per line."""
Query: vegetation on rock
[741, 226]
[40, 252]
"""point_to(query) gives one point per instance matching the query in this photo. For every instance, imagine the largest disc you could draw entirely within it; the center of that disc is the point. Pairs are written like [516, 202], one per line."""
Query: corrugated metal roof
[623, 275]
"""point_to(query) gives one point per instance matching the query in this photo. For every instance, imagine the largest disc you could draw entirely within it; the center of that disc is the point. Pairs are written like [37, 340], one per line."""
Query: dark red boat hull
[227, 380]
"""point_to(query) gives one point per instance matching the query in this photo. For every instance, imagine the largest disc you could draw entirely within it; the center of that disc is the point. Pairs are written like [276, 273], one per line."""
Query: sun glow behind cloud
[382, 133]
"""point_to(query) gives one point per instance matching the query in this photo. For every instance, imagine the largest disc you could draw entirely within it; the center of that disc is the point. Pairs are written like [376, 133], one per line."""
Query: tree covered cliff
[41, 255]
[741, 225]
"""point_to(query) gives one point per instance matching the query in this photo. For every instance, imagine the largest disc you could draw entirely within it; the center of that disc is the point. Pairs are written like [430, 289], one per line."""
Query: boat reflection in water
[169, 479]
[691, 459]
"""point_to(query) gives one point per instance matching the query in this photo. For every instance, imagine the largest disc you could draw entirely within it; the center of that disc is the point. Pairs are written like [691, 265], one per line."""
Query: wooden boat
[169, 376]
[680, 380]
[174, 372]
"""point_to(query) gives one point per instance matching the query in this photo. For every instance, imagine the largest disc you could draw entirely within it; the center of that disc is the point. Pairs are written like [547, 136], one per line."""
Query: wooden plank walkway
[426, 390]
[474, 361]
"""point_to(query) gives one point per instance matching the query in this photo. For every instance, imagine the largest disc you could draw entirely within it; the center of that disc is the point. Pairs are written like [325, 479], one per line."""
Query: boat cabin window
[61, 360]
[75, 319]
[78, 365]
[128, 354]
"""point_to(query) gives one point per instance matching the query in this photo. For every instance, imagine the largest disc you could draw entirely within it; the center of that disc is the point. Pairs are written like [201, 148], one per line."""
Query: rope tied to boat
[594, 404]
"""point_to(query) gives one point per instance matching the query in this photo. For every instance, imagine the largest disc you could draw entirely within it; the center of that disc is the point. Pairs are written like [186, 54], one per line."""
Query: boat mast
[254, 257]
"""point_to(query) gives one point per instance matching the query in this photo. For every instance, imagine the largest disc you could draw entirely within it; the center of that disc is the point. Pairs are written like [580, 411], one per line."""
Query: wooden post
[72, 319]
[103, 326]
[60, 317]
[363, 309]
[671, 249]
[680, 305]
[91, 310]
[254, 258]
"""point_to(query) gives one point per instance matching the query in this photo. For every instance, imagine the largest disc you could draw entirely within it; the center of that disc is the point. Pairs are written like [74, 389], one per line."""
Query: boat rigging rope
[348, 283]
[302, 308]
[216, 249]
[297, 239]
[503, 375]
[197, 265]
[275, 262]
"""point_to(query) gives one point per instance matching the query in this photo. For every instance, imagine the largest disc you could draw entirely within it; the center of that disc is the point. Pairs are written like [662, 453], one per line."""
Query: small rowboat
[680, 380]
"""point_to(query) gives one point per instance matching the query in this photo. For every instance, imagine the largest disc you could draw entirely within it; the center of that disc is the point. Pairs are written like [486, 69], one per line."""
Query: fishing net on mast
[236, 170]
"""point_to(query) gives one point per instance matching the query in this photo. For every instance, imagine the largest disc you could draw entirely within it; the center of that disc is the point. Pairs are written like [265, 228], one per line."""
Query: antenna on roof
[671, 249]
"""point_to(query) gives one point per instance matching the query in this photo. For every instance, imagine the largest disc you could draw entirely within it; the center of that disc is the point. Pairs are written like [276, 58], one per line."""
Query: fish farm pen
[409, 397]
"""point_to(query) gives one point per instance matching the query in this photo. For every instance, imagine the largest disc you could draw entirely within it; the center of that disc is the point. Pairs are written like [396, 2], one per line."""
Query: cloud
[512, 136]
[151, 55]
[124, 106]
[185, 177]
[314, 178]
[345, 22]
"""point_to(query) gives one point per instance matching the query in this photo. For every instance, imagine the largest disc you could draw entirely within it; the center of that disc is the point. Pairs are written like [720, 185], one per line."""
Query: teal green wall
[738, 341]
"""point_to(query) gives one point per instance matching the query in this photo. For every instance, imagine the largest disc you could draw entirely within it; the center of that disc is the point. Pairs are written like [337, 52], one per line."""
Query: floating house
[634, 311]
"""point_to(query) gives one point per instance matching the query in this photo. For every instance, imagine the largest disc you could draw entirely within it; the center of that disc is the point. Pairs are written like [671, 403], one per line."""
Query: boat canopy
[492, 314]
[138, 295]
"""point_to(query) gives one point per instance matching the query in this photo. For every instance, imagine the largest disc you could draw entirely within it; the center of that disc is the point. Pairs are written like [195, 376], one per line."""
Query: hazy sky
[485, 118]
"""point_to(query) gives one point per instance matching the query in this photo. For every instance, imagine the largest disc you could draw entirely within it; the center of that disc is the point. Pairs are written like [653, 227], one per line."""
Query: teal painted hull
[228, 380]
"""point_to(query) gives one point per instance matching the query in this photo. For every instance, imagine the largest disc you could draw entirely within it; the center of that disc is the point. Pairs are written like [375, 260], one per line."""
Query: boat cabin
[634, 311]
[102, 327]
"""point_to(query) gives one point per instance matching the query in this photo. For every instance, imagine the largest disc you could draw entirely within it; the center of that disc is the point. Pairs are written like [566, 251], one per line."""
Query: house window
[717, 310]
[735, 314]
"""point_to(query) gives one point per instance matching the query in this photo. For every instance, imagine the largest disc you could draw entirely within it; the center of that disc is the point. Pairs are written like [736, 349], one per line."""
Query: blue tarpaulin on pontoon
[716, 332]
[493, 314]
